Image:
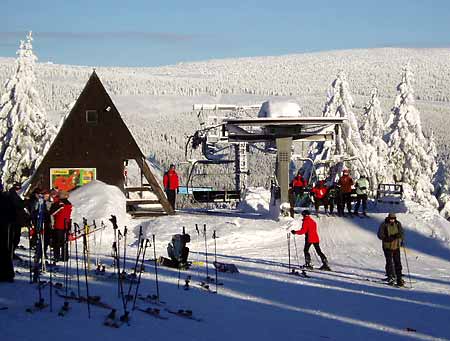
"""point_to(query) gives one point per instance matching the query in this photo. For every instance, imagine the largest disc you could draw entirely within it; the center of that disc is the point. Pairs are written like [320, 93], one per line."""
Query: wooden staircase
[146, 199]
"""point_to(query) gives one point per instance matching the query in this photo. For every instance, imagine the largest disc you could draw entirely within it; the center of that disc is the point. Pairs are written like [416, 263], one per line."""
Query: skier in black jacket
[7, 219]
[22, 218]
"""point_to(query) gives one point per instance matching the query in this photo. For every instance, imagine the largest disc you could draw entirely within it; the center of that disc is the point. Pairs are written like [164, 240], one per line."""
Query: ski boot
[325, 267]
[307, 266]
[400, 282]
[391, 280]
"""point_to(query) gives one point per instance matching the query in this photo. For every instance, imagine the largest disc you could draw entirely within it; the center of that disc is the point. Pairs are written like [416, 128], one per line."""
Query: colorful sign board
[67, 179]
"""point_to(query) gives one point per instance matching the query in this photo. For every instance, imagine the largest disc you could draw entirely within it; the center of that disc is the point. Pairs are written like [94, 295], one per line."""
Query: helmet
[305, 213]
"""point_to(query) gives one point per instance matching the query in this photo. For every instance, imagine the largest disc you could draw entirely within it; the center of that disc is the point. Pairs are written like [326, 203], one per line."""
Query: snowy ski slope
[262, 302]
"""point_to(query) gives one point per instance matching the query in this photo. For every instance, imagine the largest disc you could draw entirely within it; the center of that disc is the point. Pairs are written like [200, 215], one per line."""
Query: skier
[22, 217]
[332, 196]
[345, 183]
[319, 193]
[362, 189]
[391, 233]
[7, 220]
[309, 229]
[61, 211]
[291, 196]
[298, 184]
[171, 183]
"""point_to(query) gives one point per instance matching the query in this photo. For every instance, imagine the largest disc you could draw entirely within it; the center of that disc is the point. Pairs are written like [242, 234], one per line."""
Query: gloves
[293, 231]
[402, 244]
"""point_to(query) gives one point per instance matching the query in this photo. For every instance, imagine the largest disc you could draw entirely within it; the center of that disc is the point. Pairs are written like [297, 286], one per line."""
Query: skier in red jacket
[320, 192]
[309, 229]
[171, 183]
[61, 210]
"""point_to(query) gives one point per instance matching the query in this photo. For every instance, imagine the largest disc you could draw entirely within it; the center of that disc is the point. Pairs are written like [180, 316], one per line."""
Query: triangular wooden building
[94, 136]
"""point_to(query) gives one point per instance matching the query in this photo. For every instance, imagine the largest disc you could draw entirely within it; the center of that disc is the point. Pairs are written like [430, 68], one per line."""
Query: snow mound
[98, 201]
[255, 200]
[279, 109]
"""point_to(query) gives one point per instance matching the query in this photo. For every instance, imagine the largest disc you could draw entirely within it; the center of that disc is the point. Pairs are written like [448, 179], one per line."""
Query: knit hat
[305, 213]
[392, 216]
[63, 194]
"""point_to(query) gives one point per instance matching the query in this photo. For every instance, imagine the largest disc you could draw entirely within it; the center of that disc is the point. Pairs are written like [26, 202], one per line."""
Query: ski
[64, 309]
[110, 319]
[187, 314]
[155, 312]
[205, 286]
[303, 273]
[38, 306]
[152, 299]
[93, 300]
[211, 280]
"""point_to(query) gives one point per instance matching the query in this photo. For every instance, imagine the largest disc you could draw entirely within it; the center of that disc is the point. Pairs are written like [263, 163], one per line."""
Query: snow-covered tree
[412, 156]
[340, 104]
[376, 149]
[24, 130]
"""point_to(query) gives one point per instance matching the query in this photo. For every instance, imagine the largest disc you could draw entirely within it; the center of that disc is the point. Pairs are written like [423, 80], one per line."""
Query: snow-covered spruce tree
[411, 156]
[376, 149]
[340, 104]
[24, 130]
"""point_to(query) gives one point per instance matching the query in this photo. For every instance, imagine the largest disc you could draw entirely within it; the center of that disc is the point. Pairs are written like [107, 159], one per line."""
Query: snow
[272, 109]
[262, 302]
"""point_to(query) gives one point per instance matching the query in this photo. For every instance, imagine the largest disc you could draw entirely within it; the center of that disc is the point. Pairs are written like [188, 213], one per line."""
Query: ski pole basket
[390, 193]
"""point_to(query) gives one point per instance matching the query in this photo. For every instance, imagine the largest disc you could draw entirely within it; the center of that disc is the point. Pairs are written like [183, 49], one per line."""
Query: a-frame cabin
[94, 136]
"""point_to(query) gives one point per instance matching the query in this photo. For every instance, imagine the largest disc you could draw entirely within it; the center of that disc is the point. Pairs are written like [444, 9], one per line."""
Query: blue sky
[154, 32]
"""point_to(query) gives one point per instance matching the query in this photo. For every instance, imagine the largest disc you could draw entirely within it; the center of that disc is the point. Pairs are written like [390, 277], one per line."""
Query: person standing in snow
[362, 189]
[391, 233]
[309, 229]
[22, 218]
[319, 193]
[171, 183]
[346, 183]
[7, 219]
[61, 210]
[298, 185]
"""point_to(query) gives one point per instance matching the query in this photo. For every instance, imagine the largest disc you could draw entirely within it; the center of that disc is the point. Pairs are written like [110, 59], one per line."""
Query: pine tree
[376, 149]
[25, 133]
[412, 157]
[340, 104]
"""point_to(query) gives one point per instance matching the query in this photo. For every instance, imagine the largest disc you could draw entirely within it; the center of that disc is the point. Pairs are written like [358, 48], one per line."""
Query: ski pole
[113, 220]
[156, 268]
[296, 253]
[29, 254]
[198, 253]
[140, 248]
[215, 256]
[77, 229]
[66, 260]
[407, 265]
[289, 250]
[124, 249]
[86, 232]
[147, 242]
[85, 251]
[206, 252]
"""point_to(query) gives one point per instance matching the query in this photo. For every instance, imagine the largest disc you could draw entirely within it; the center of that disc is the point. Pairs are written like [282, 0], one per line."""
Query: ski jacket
[61, 212]
[391, 234]
[346, 183]
[362, 186]
[309, 228]
[319, 192]
[298, 181]
[170, 180]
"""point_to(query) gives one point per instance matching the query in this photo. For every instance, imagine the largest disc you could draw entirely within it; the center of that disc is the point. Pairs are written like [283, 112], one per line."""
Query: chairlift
[202, 194]
[389, 193]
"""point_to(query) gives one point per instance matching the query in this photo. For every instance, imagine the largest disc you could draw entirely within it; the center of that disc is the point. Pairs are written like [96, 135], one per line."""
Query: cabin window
[91, 116]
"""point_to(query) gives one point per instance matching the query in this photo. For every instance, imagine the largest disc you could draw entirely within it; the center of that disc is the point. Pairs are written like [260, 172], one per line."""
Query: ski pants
[346, 201]
[321, 202]
[6, 263]
[171, 196]
[318, 250]
[362, 198]
[60, 245]
[393, 263]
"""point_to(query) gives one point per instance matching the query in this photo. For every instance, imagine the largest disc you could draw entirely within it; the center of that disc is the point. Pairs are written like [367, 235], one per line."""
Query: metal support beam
[284, 150]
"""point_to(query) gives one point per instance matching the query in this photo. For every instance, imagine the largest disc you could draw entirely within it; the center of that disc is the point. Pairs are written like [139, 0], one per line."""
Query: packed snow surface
[262, 302]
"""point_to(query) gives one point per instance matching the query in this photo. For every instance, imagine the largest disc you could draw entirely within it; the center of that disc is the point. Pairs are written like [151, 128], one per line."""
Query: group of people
[390, 233]
[47, 217]
[330, 194]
